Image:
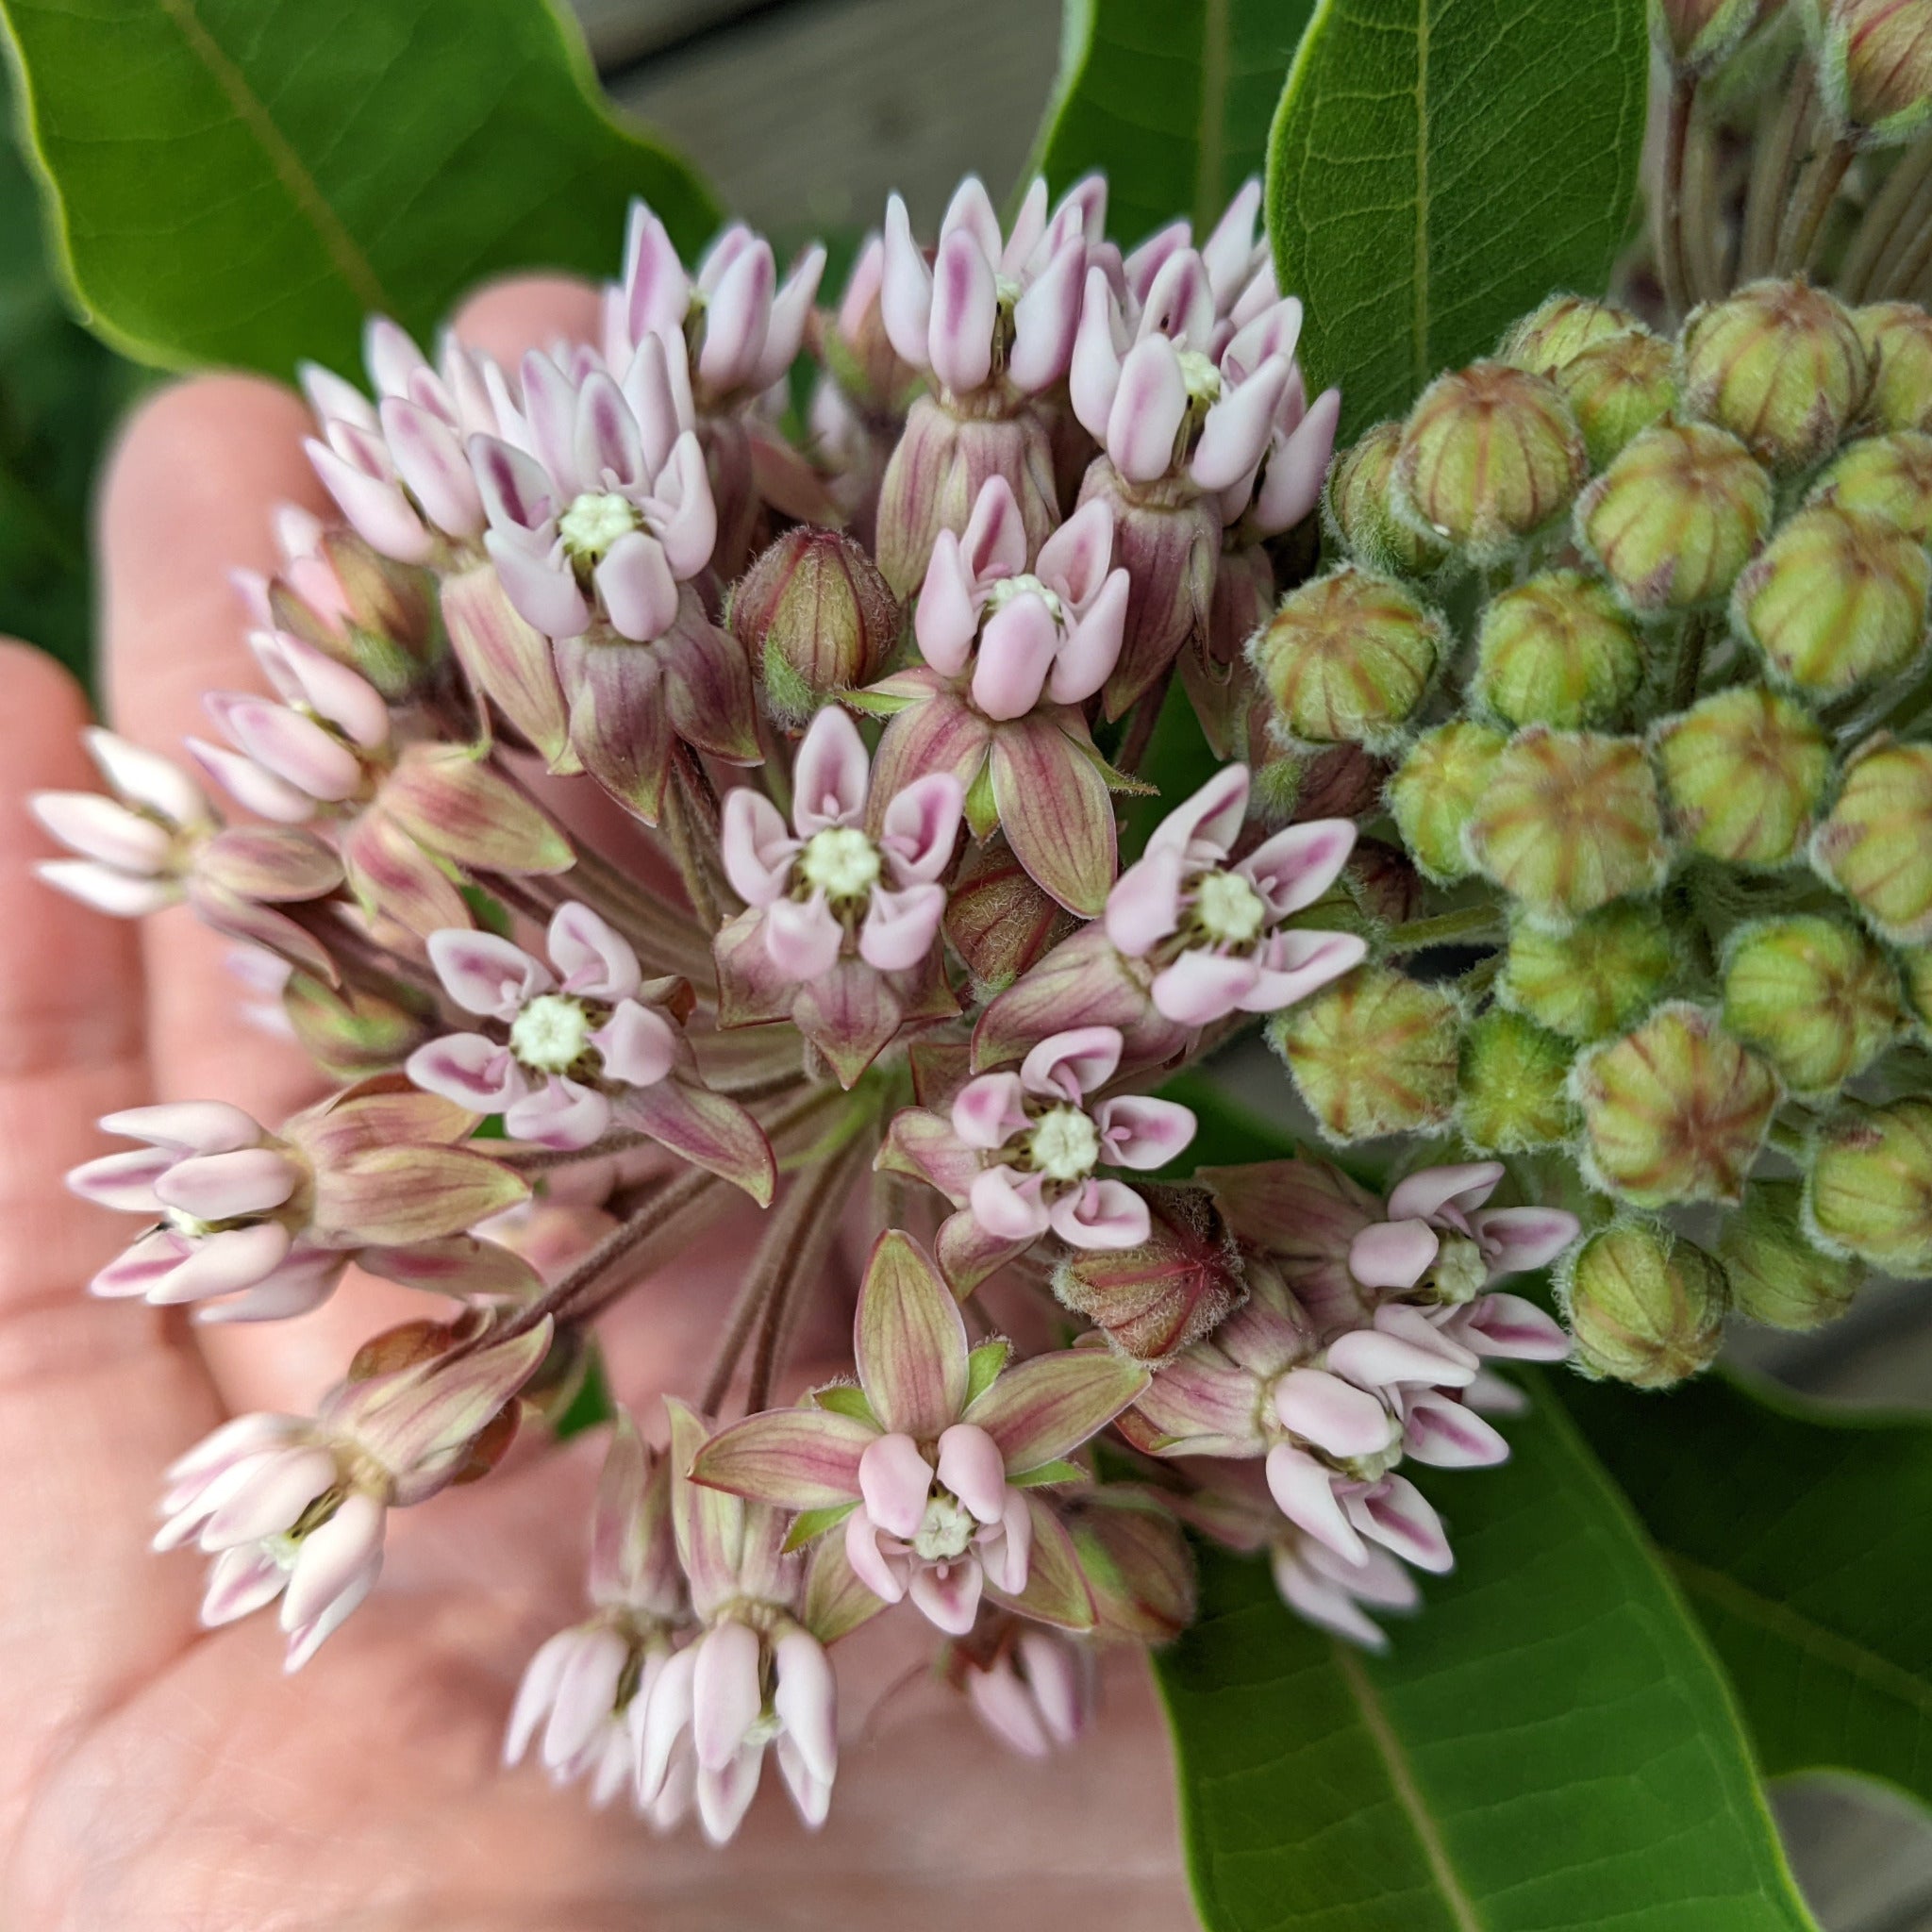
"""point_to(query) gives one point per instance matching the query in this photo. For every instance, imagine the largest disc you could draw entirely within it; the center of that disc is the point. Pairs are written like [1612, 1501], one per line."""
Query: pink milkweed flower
[928, 1464]
[1217, 934]
[1037, 1694]
[135, 849]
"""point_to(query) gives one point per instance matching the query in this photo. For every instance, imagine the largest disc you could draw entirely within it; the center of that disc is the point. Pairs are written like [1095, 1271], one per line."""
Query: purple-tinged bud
[1835, 599]
[1593, 978]
[510, 662]
[1136, 1562]
[369, 614]
[1361, 513]
[1779, 365]
[1675, 517]
[1743, 772]
[1696, 36]
[1814, 995]
[1645, 1305]
[1153, 1299]
[1436, 791]
[998, 921]
[1889, 476]
[351, 1032]
[1869, 1191]
[1778, 1276]
[1375, 1053]
[1617, 388]
[1489, 455]
[1674, 1112]
[1548, 337]
[814, 612]
[1513, 1093]
[1897, 338]
[1569, 820]
[1347, 658]
[1875, 66]
[1556, 650]
[1876, 846]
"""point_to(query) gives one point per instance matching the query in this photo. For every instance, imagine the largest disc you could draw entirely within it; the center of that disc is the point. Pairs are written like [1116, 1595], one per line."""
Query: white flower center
[948, 1527]
[1200, 376]
[1461, 1272]
[1007, 290]
[1228, 909]
[595, 522]
[1024, 585]
[841, 862]
[550, 1033]
[1065, 1145]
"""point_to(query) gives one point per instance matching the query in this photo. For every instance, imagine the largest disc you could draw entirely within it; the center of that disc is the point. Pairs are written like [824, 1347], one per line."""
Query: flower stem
[1668, 213]
[1895, 216]
[1140, 732]
[1771, 173]
[1688, 674]
[542, 1159]
[1805, 225]
[1480, 922]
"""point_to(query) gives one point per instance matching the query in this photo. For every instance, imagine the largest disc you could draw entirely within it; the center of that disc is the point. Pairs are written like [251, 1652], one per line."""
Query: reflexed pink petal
[1237, 428]
[1178, 301]
[279, 1488]
[1373, 1358]
[1514, 1241]
[1333, 1414]
[609, 448]
[486, 974]
[1291, 965]
[1324, 1602]
[1292, 485]
[102, 828]
[639, 594]
[1446, 1434]
[1295, 867]
[145, 777]
[1141, 1131]
[296, 749]
[1094, 376]
[1394, 1254]
[594, 959]
[1067, 1066]
[1432, 1193]
[803, 941]
[900, 927]
[1087, 658]
[906, 288]
[119, 894]
[945, 620]
[737, 313]
[1081, 211]
[790, 311]
[1230, 251]
[1008, 1205]
[1395, 1514]
[1145, 904]
[726, 1696]
[947, 1594]
[251, 787]
[805, 1701]
[517, 495]
[990, 1110]
[378, 511]
[664, 1720]
[1202, 987]
[331, 689]
[909, 1341]
[994, 544]
[1006, 1707]
[391, 355]
[1382, 1581]
[965, 307]
[1426, 1328]
[550, 408]
[756, 845]
[1494, 1395]
[1007, 1553]
[687, 528]
[1100, 1214]
[637, 1044]
[200, 1126]
[225, 1187]
[920, 827]
[432, 465]
[1148, 409]
[1305, 1491]
[1046, 318]
[224, 1262]
[1508, 1327]
[656, 289]
[123, 1181]
[971, 212]
[896, 1481]
[332, 1560]
[829, 777]
[970, 1465]
[240, 1581]
[546, 594]
[1016, 651]
[561, 1114]
[329, 396]
[470, 1069]
[885, 1576]
[653, 402]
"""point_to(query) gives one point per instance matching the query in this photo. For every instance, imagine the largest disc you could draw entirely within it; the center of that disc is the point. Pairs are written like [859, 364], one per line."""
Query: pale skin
[160, 1778]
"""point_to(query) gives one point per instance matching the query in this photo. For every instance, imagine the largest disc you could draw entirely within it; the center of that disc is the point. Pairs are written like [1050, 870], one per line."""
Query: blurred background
[803, 115]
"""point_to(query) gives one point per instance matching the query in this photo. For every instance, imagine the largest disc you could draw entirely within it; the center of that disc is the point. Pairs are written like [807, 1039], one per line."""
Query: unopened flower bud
[1875, 66]
[1837, 597]
[1916, 973]
[1699, 35]
[1779, 365]
[814, 614]
[1557, 650]
[1361, 514]
[1617, 388]
[1645, 1305]
[1436, 791]
[1814, 995]
[1489, 453]
[1348, 657]
[1513, 1092]
[1889, 476]
[1562, 328]
[1869, 1192]
[1136, 1562]
[1675, 1111]
[1674, 518]
[1875, 845]
[1595, 977]
[1744, 772]
[1778, 1274]
[350, 1031]
[1569, 820]
[1897, 337]
[1374, 1053]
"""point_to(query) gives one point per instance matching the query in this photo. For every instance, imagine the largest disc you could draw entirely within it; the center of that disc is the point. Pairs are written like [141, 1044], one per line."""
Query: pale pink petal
[995, 543]
[536, 1692]
[661, 1721]
[1236, 429]
[378, 511]
[1295, 867]
[1505, 1326]
[1323, 1602]
[240, 1581]
[609, 448]
[200, 1126]
[1394, 1254]
[1148, 410]
[885, 1576]
[947, 1594]
[656, 289]
[561, 1113]
[1008, 1554]
[119, 894]
[896, 1480]
[805, 1701]
[1066, 1066]
[1144, 905]
[1447, 1434]
[1373, 1358]
[330, 397]
[638, 1045]
[828, 781]
[1292, 485]
[586, 1695]
[102, 828]
[970, 213]
[920, 826]
[1006, 1707]
[1393, 1513]
[1305, 1491]
[803, 941]
[432, 465]
[945, 620]
[251, 787]
[652, 399]
[1046, 318]
[145, 777]
[635, 581]
[224, 1264]
[1202, 987]
[1008, 1205]
[469, 1068]
[737, 314]
[333, 691]
[1092, 647]
[1179, 303]
[900, 927]
[332, 1559]
[1291, 965]
[756, 846]
[225, 1187]
[965, 308]
[971, 1466]
[594, 959]
[279, 1490]
[1431, 1193]
[1230, 251]
[550, 408]
[1333, 1414]
[124, 1181]
[726, 1696]
[1016, 651]
[790, 311]
[906, 288]
[484, 974]
[990, 1110]
[1094, 376]
[1514, 1241]
[296, 749]
[1101, 1215]
[545, 592]
[1140, 1131]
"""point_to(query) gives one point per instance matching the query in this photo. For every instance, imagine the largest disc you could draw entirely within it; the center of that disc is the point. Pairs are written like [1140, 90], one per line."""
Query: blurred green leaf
[240, 181]
[1438, 167]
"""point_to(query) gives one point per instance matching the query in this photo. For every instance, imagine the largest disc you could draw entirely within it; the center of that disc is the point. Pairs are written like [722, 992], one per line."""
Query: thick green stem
[1667, 228]
[1771, 173]
[1805, 226]
[1894, 217]
[1465, 923]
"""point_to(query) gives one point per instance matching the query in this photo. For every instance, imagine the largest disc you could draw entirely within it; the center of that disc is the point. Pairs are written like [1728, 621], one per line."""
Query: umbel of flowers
[864, 946]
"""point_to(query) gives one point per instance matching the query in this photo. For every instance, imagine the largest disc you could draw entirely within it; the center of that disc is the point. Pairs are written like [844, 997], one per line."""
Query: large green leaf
[1439, 166]
[240, 181]
[1803, 1538]
[1173, 98]
[1548, 1748]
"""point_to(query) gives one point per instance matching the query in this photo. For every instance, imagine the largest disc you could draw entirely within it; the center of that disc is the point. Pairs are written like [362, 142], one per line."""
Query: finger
[528, 312]
[95, 1398]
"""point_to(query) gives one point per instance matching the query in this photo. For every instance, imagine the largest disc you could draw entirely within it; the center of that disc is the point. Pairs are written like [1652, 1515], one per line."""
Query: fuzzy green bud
[1676, 1110]
[1372, 1053]
[1814, 995]
[1778, 1274]
[1675, 517]
[1359, 511]
[1513, 1090]
[1436, 789]
[1875, 66]
[1617, 388]
[1889, 476]
[1645, 1305]
[1897, 338]
[1593, 979]
[1869, 1192]
[1875, 845]
[1346, 658]
[1837, 597]
[1557, 650]
[1489, 453]
[1550, 337]
[814, 612]
[1744, 771]
[1569, 820]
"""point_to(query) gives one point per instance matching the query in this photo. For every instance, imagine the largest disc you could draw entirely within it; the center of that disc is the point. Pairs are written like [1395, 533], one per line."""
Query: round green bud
[1876, 845]
[1744, 771]
[1778, 1274]
[1676, 1110]
[1814, 995]
[1489, 453]
[1618, 387]
[1593, 979]
[814, 612]
[1778, 364]
[1676, 515]
[1889, 476]
[1569, 820]
[1356, 499]
[1837, 597]
[1897, 338]
[1645, 1305]
[1435, 791]
[1346, 658]
[1373, 1051]
[1565, 325]
[1514, 1085]
[1869, 1191]
[1556, 650]
[1875, 66]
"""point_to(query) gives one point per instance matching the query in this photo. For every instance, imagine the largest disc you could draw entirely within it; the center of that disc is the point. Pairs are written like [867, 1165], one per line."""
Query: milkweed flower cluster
[639, 808]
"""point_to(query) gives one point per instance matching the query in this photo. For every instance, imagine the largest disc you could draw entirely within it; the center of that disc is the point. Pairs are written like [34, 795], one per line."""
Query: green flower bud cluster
[1639, 626]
